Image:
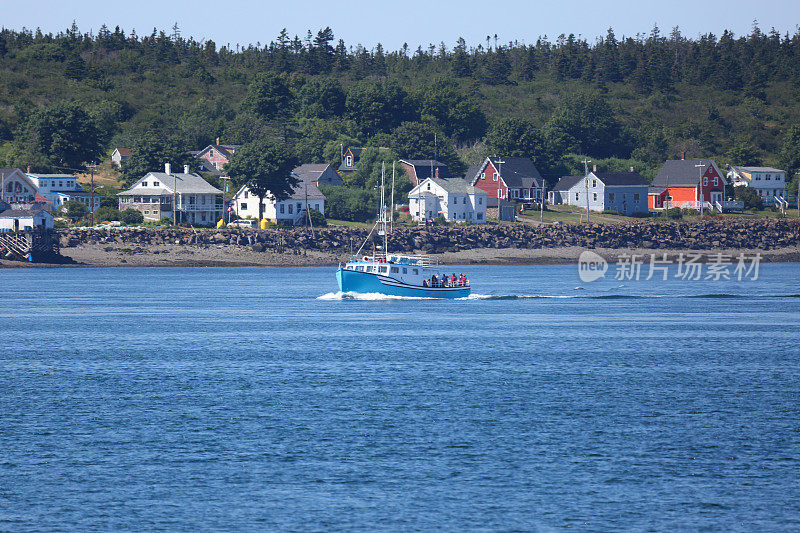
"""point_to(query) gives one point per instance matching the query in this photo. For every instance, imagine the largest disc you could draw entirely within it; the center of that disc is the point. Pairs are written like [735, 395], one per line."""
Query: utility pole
[3, 186]
[700, 166]
[586, 178]
[541, 202]
[91, 194]
[499, 178]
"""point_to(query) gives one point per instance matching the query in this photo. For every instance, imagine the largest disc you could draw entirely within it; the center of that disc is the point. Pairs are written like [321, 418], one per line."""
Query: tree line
[629, 101]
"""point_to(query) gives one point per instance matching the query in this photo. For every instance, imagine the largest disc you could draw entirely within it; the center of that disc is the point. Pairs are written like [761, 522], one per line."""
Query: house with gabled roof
[509, 178]
[58, 189]
[687, 183]
[214, 157]
[350, 157]
[16, 186]
[289, 211]
[623, 192]
[119, 156]
[196, 201]
[318, 174]
[559, 194]
[420, 169]
[770, 183]
[454, 199]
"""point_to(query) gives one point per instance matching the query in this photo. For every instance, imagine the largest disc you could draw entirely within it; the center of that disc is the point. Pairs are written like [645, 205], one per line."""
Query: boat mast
[391, 212]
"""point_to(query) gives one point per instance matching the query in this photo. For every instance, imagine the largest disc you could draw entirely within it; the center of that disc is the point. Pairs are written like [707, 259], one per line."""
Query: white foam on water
[367, 296]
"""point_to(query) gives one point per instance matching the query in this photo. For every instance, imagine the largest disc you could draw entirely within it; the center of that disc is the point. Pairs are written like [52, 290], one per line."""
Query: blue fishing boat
[396, 274]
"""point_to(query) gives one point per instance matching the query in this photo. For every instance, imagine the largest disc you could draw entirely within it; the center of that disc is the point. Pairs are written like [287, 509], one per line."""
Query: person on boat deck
[453, 279]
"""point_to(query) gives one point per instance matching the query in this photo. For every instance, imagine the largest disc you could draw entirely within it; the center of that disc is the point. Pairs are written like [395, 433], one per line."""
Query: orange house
[685, 183]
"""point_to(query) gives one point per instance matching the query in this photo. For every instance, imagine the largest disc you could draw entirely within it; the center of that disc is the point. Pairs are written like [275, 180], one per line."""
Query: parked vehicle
[243, 223]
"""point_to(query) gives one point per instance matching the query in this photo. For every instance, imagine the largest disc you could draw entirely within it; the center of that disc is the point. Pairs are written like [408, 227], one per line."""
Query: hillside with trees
[71, 97]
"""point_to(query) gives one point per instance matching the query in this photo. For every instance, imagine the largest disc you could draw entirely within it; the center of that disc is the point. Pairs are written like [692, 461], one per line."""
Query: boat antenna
[391, 213]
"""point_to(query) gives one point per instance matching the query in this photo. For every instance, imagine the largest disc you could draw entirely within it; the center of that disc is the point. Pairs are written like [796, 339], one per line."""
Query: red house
[510, 178]
[686, 183]
[215, 156]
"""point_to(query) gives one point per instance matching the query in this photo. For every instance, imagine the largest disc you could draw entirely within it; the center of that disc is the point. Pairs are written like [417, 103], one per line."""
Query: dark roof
[422, 167]
[124, 152]
[681, 172]
[22, 213]
[9, 171]
[566, 183]
[225, 149]
[315, 171]
[472, 173]
[621, 178]
[656, 190]
[518, 171]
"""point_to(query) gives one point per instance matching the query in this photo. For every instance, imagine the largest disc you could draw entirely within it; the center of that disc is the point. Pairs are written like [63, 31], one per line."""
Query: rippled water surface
[163, 399]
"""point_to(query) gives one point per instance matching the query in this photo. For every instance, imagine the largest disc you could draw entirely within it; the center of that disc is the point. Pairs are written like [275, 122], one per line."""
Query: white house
[770, 183]
[197, 202]
[61, 188]
[455, 199]
[292, 210]
[25, 219]
[119, 155]
[15, 186]
[623, 192]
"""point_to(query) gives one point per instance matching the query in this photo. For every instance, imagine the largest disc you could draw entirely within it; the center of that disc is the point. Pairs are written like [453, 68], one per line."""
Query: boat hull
[362, 282]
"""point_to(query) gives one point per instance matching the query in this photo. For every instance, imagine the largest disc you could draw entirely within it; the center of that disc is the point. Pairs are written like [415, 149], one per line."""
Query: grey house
[318, 174]
[559, 194]
[624, 192]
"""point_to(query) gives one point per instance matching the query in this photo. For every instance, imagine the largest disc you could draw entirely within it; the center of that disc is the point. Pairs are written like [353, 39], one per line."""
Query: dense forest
[70, 97]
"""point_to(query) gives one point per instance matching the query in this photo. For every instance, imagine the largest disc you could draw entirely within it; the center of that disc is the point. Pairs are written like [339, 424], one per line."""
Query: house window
[203, 217]
[577, 196]
[281, 208]
[768, 177]
[455, 200]
[636, 197]
[483, 175]
[242, 206]
[758, 178]
[349, 161]
[146, 212]
[611, 197]
[594, 183]
[156, 184]
[144, 184]
[716, 181]
[480, 201]
[464, 201]
[60, 183]
[494, 176]
[429, 186]
[594, 196]
[290, 208]
[480, 216]
[705, 181]
[211, 153]
[203, 199]
[245, 194]
[298, 206]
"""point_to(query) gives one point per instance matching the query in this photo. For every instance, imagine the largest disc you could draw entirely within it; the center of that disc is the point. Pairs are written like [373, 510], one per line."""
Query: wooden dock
[28, 245]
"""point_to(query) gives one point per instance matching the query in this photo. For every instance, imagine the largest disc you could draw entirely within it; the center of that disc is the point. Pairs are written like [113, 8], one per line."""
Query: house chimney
[594, 168]
[167, 168]
[683, 155]
[217, 141]
[186, 169]
[437, 172]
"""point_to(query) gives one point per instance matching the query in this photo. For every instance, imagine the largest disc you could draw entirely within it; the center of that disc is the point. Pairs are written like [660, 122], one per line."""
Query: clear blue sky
[413, 21]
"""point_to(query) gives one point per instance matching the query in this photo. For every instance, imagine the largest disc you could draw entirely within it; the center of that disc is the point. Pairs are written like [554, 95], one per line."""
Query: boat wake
[374, 296]
[367, 296]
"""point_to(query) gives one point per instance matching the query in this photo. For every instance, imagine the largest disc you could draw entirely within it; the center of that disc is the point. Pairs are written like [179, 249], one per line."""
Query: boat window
[360, 269]
[416, 271]
[405, 271]
[383, 269]
[395, 270]
[370, 269]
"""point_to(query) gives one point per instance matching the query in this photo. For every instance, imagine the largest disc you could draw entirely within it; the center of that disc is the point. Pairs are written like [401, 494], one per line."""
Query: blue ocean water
[236, 398]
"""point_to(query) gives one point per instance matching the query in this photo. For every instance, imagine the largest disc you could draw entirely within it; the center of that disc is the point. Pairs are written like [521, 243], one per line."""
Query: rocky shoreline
[775, 239]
